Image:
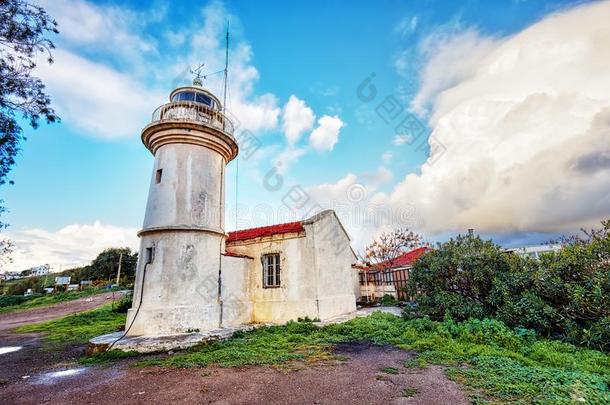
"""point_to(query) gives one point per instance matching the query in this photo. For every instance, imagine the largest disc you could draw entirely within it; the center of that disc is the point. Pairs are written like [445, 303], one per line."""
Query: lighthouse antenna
[224, 97]
[197, 72]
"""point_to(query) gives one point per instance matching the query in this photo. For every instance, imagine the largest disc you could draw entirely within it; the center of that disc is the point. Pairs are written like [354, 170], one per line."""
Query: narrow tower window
[159, 174]
[150, 254]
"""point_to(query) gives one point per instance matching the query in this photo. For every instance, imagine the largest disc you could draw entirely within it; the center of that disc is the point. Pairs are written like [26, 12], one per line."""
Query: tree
[384, 251]
[23, 35]
[6, 246]
[457, 278]
[105, 265]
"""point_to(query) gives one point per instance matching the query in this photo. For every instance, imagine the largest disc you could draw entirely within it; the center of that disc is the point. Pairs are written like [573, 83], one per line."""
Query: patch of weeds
[409, 392]
[267, 345]
[342, 357]
[290, 367]
[308, 319]
[389, 370]
[107, 357]
[78, 328]
[417, 362]
[477, 399]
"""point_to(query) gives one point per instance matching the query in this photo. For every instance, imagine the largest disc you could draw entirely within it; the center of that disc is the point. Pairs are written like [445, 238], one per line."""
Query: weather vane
[197, 72]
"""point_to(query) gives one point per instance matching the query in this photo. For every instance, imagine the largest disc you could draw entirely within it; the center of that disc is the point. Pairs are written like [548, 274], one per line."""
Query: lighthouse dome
[196, 95]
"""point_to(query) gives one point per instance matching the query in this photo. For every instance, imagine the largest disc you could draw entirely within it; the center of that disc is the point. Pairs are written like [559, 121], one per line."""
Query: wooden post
[118, 273]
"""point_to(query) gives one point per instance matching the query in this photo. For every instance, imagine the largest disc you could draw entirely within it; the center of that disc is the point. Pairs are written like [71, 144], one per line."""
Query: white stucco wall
[296, 295]
[333, 259]
[191, 189]
[180, 286]
[236, 301]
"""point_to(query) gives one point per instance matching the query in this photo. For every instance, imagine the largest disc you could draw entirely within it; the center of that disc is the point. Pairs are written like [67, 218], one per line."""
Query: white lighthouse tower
[177, 281]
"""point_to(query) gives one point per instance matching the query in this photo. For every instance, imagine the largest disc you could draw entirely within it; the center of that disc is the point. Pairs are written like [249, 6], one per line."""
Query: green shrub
[123, 304]
[11, 300]
[564, 295]
[387, 300]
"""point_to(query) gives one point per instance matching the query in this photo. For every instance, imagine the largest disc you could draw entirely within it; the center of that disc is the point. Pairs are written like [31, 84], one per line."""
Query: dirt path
[357, 380]
[11, 320]
[28, 358]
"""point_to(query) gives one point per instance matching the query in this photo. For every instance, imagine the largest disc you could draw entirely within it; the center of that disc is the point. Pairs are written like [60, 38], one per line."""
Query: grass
[78, 328]
[107, 357]
[389, 370]
[497, 364]
[409, 392]
[49, 299]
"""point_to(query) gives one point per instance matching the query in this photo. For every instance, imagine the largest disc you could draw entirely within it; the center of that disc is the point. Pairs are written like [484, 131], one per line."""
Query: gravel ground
[356, 380]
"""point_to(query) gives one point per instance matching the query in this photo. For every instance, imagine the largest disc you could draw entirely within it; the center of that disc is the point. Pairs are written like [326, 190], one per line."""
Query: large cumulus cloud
[526, 130]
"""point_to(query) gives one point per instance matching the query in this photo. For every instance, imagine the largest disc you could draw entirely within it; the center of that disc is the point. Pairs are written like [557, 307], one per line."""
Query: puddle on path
[52, 377]
[9, 349]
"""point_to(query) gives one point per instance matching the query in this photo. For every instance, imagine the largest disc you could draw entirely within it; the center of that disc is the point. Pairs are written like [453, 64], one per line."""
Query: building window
[158, 176]
[271, 270]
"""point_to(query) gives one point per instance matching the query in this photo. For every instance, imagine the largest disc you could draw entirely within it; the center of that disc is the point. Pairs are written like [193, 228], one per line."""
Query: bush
[123, 304]
[18, 287]
[387, 300]
[10, 300]
[457, 279]
[563, 295]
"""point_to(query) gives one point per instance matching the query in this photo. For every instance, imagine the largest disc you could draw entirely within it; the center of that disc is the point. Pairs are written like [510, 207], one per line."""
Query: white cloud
[386, 157]
[360, 207]
[255, 112]
[406, 26]
[98, 99]
[288, 158]
[109, 75]
[297, 118]
[103, 28]
[525, 125]
[175, 38]
[71, 246]
[453, 56]
[326, 135]
[401, 139]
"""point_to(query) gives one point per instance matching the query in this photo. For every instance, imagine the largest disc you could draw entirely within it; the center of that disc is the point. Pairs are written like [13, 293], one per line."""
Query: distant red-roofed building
[388, 278]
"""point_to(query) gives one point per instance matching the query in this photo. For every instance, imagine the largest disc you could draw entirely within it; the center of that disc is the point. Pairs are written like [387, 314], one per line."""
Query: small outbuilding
[387, 278]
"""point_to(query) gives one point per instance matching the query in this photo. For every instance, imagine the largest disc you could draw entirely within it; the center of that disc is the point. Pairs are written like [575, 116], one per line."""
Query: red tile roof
[404, 260]
[409, 258]
[245, 234]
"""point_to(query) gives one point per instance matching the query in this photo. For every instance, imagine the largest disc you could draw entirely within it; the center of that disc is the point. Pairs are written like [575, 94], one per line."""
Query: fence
[397, 277]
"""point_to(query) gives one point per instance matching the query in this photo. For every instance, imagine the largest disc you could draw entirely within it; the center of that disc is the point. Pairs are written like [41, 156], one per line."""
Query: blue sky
[81, 185]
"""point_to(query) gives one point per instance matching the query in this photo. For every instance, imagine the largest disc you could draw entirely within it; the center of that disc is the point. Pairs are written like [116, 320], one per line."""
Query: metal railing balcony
[193, 112]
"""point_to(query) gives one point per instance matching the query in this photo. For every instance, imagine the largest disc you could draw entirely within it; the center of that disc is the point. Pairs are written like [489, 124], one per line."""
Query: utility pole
[118, 273]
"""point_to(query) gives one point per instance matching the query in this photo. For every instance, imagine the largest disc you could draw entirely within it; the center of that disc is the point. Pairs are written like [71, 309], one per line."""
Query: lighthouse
[177, 287]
